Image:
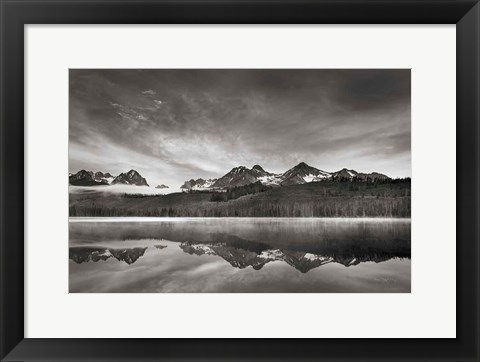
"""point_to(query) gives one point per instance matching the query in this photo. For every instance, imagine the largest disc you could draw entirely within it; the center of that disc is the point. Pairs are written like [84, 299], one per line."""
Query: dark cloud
[366, 89]
[173, 125]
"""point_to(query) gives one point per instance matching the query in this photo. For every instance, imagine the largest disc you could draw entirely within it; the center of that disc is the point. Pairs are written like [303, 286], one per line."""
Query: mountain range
[198, 183]
[85, 178]
[85, 254]
[237, 255]
[89, 178]
[237, 176]
[251, 255]
[299, 174]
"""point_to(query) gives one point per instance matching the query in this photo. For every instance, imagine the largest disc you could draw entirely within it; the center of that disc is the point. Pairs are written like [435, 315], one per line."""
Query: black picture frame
[15, 14]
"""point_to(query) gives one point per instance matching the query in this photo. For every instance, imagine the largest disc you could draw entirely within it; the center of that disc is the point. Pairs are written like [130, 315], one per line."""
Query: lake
[239, 255]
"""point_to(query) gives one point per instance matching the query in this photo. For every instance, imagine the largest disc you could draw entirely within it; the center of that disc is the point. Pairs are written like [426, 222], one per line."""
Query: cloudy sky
[174, 125]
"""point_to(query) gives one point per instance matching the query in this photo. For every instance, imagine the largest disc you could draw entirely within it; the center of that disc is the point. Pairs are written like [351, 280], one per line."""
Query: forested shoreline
[316, 199]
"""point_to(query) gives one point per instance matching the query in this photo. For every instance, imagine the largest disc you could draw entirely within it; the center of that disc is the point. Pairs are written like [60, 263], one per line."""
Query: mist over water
[121, 189]
[240, 255]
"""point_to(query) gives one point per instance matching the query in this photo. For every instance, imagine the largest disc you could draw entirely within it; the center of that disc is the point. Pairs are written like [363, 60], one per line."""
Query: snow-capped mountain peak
[198, 184]
[259, 169]
[103, 177]
[299, 174]
[345, 173]
[85, 178]
[240, 176]
[132, 177]
[303, 173]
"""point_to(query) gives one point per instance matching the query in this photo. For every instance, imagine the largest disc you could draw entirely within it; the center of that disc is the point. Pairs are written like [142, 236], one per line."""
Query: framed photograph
[240, 180]
[195, 219]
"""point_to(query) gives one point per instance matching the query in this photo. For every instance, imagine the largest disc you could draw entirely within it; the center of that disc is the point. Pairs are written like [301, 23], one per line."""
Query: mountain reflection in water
[302, 245]
[242, 253]
[84, 254]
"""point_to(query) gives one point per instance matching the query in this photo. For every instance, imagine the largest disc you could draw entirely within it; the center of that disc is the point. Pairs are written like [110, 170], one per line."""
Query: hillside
[315, 199]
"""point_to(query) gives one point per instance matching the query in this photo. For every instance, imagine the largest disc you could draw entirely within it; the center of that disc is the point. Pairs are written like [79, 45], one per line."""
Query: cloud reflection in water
[326, 256]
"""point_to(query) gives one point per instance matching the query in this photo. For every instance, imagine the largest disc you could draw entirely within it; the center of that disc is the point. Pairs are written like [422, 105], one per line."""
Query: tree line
[318, 199]
[326, 207]
[239, 191]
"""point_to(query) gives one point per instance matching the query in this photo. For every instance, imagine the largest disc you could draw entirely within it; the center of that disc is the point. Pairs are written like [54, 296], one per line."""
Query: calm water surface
[246, 255]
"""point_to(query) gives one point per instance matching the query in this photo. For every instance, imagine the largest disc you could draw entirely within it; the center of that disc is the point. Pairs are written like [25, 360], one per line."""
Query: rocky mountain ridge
[132, 177]
[238, 176]
[299, 174]
[242, 257]
[89, 178]
[199, 183]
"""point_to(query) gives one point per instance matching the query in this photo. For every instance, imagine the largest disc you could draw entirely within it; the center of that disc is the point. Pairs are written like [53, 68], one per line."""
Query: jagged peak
[131, 176]
[258, 168]
[239, 169]
[348, 169]
[302, 166]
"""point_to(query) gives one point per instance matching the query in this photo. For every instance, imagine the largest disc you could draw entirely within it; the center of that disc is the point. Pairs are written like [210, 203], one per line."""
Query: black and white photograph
[239, 181]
